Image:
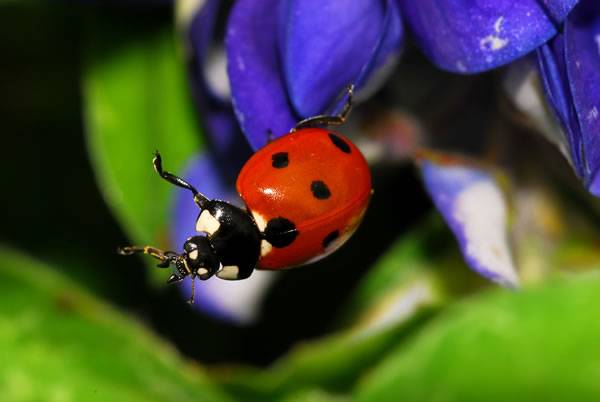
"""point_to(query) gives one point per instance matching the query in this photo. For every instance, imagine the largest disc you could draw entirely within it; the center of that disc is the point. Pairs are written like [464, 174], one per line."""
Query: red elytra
[316, 179]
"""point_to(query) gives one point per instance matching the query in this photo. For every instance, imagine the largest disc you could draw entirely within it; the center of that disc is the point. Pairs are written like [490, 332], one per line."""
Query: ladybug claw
[174, 278]
[124, 250]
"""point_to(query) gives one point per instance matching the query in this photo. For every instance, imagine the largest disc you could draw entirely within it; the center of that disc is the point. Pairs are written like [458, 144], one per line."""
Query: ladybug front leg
[199, 198]
[327, 120]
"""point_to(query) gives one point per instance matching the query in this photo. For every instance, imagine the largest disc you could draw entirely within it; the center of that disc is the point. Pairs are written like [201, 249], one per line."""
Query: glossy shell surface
[307, 192]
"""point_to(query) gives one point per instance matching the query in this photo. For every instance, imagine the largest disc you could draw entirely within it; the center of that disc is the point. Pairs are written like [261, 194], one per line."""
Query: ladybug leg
[192, 297]
[327, 120]
[165, 257]
[199, 198]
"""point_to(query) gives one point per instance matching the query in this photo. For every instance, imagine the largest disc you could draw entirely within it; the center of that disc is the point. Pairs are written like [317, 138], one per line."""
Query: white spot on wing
[481, 211]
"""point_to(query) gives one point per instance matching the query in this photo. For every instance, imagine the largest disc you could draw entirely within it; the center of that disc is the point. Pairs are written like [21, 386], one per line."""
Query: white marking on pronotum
[193, 254]
[260, 220]
[202, 271]
[207, 223]
[261, 223]
[229, 272]
[481, 211]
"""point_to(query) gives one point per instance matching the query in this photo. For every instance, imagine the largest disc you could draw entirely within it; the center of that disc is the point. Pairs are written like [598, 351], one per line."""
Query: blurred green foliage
[58, 343]
[540, 344]
[137, 102]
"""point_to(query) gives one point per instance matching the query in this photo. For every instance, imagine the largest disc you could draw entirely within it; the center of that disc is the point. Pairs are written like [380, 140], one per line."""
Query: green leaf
[315, 395]
[137, 101]
[538, 344]
[58, 343]
[404, 289]
[421, 271]
[332, 363]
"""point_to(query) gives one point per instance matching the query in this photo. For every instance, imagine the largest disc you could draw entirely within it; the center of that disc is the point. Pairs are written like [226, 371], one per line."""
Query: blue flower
[570, 69]
[287, 60]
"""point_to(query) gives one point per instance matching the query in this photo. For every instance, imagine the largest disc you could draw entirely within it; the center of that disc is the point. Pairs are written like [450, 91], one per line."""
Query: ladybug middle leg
[327, 120]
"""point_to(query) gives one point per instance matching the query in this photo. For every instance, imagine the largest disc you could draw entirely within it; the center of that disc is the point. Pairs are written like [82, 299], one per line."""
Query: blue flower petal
[257, 86]
[473, 205]
[217, 114]
[570, 70]
[237, 302]
[327, 45]
[231, 301]
[199, 30]
[468, 36]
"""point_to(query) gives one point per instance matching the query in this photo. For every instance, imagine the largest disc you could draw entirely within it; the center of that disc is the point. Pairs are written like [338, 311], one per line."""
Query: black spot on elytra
[280, 160]
[320, 190]
[340, 143]
[330, 237]
[280, 232]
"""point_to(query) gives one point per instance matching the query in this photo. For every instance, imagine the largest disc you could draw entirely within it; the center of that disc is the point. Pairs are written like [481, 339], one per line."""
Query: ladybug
[305, 194]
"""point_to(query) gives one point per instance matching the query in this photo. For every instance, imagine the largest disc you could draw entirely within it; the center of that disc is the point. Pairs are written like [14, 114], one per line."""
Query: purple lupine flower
[467, 36]
[474, 207]
[288, 60]
[214, 172]
[570, 69]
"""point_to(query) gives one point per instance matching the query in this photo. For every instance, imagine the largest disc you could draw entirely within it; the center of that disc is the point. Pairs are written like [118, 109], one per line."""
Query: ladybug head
[199, 258]
[196, 260]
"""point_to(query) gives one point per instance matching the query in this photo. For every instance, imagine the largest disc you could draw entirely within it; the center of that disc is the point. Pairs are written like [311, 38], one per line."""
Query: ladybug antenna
[199, 198]
[166, 258]
[330, 120]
